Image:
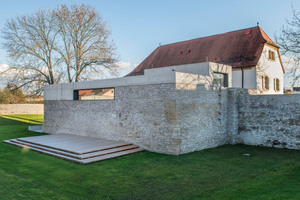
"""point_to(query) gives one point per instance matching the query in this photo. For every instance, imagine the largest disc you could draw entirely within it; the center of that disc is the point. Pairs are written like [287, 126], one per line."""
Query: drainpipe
[242, 78]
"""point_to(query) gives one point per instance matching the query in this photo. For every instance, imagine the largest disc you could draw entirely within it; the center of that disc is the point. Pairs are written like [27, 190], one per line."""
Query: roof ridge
[267, 38]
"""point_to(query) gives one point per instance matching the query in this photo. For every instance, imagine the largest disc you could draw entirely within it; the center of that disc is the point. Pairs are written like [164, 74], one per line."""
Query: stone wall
[139, 114]
[177, 118]
[158, 117]
[18, 109]
[201, 118]
[269, 120]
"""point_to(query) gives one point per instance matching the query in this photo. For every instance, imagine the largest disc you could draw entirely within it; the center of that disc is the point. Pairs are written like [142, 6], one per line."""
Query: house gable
[270, 68]
[276, 50]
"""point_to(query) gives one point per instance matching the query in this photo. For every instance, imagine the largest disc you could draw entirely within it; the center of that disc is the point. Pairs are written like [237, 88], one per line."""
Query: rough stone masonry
[164, 119]
[157, 117]
[268, 120]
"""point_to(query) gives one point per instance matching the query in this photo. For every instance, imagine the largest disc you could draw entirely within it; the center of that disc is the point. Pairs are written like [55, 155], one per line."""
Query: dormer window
[248, 32]
[271, 55]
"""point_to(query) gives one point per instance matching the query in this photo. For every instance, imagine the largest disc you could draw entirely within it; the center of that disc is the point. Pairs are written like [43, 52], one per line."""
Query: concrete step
[81, 161]
[112, 155]
[77, 156]
[71, 145]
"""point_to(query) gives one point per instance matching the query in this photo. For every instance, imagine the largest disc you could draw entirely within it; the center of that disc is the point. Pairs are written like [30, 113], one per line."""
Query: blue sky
[139, 26]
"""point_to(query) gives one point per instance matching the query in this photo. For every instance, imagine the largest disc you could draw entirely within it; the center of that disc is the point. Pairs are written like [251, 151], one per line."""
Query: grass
[219, 173]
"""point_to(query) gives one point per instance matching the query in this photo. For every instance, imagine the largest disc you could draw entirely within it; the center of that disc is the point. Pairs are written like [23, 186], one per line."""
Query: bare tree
[289, 41]
[29, 41]
[65, 44]
[85, 46]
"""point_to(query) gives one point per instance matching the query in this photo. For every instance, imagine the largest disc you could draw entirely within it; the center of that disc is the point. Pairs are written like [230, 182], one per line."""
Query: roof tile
[241, 48]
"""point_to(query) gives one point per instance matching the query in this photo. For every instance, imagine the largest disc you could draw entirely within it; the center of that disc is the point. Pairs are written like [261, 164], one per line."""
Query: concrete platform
[36, 128]
[75, 148]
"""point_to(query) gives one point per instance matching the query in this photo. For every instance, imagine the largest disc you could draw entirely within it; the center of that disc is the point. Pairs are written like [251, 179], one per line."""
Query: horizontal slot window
[95, 94]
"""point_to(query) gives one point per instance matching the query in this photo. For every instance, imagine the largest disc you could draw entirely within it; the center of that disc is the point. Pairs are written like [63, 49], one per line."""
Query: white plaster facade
[253, 77]
[271, 68]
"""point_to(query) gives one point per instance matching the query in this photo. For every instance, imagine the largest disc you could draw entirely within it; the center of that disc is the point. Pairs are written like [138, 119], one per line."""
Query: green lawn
[219, 173]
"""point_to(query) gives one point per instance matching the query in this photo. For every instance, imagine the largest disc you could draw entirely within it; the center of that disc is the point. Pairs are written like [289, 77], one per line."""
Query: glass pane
[96, 94]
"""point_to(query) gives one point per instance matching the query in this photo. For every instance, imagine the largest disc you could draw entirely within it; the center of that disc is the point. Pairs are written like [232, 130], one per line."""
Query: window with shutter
[277, 84]
[271, 55]
[266, 80]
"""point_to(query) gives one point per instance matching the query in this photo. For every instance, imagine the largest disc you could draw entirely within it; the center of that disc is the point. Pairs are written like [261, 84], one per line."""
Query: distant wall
[13, 109]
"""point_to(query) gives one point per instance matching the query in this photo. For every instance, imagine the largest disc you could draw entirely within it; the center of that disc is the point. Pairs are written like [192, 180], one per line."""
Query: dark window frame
[76, 94]
[225, 80]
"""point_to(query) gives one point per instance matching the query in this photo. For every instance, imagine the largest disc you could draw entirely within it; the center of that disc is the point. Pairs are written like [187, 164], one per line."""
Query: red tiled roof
[267, 38]
[241, 48]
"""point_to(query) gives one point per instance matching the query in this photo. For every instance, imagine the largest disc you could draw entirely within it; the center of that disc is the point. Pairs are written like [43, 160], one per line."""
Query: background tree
[84, 44]
[12, 95]
[60, 45]
[289, 41]
[29, 41]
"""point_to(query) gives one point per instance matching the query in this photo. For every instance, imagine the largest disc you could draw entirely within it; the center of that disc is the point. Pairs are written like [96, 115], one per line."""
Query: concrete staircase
[83, 155]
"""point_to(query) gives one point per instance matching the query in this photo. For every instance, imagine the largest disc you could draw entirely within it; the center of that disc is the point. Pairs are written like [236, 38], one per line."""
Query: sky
[139, 26]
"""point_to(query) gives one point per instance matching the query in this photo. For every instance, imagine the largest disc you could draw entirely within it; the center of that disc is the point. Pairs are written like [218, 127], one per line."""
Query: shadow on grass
[12, 126]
